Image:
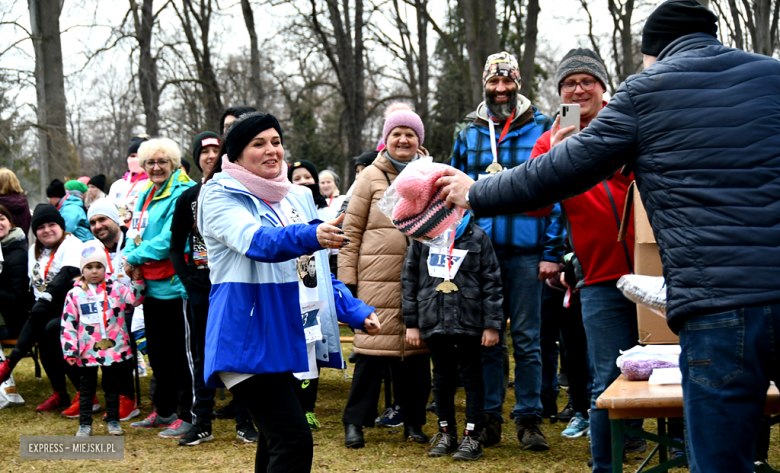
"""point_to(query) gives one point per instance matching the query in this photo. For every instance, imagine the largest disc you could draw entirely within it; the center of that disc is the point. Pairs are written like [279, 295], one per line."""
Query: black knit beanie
[302, 163]
[235, 111]
[98, 181]
[46, 213]
[201, 140]
[674, 19]
[135, 142]
[366, 159]
[241, 132]
[56, 189]
[581, 61]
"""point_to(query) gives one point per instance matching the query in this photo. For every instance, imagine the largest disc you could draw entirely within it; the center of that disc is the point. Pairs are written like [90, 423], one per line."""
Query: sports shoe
[197, 435]
[491, 435]
[177, 430]
[114, 428]
[56, 401]
[84, 431]
[155, 421]
[247, 433]
[469, 448]
[431, 407]
[127, 409]
[314, 424]
[444, 442]
[5, 370]
[73, 411]
[565, 415]
[578, 426]
[226, 412]
[393, 416]
[634, 446]
[529, 434]
[676, 452]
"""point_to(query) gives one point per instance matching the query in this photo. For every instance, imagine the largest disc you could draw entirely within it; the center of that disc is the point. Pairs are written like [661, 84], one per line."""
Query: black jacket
[475, 306]
[195, 277]
[15, 295]
[701, 130]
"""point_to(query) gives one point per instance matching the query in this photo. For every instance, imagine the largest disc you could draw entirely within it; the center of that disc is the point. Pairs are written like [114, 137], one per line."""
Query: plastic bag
[414, 205]
[9, 396]
[638, 363]
[650, 291]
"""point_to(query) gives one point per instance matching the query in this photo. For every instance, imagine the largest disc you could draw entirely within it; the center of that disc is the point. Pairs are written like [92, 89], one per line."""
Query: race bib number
[438, 263]
[90, 311]
[310, 312]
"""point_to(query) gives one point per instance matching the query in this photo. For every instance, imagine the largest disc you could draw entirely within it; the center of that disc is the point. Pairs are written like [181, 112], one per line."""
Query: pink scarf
[272, 190]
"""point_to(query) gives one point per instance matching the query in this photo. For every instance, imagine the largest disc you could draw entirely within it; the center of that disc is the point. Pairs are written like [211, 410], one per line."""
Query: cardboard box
[653, 329]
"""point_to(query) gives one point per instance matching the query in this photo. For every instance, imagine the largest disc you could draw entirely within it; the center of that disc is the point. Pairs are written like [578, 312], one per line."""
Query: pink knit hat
[420, 212]
[400, 114]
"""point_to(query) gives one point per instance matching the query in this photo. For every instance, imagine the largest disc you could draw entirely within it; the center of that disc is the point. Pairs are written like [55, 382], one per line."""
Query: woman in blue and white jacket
[264, 243]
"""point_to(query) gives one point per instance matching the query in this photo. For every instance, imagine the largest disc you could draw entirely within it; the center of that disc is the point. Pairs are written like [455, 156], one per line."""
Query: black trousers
[168, 347]
[204, 395]
[448, 353]
[112, 379]
[285, 444]
[411, 386]
[306, 392]
[43, 328]
[575, 344]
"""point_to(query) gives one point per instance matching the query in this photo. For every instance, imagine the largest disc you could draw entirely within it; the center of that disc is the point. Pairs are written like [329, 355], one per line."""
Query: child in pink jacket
[94, 333]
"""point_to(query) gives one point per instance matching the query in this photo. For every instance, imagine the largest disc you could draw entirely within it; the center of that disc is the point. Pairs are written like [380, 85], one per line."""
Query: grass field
[386, 450]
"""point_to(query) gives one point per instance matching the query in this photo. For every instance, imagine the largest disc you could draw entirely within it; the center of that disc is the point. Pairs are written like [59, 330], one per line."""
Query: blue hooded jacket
[75, 215]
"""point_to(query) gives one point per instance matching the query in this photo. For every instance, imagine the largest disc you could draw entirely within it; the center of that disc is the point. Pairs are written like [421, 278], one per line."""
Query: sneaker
[176, 430]
[72, 412]
[226, 412]
[127, 409]
[5, 370]
[565, 415]
[529, 434]
[492, 433]
[114, 428]
[56, 401]
[197, 435]
[431, 407]
[393, 416]
[578, 426]
[444, 442]
[634, 446]
[314, 424]
[84, 431]
[155, 421]
[676, 452]
[469, 448]
[247, 433]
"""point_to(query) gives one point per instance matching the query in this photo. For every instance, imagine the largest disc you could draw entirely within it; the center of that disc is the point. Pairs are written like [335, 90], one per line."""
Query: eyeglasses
[571, 86]
[160, 162]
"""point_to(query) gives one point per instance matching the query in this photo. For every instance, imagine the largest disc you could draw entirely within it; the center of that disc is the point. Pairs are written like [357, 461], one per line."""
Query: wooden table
[640, 400]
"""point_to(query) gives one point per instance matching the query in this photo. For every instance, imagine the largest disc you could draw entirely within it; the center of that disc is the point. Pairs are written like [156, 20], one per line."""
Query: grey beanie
[581, 61]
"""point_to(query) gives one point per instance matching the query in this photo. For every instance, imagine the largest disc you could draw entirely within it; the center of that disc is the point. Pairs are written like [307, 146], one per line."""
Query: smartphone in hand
[570, 115]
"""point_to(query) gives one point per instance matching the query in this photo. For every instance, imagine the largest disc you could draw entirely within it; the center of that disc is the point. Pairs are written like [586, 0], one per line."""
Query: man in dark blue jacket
[701, 129]
[503, 134]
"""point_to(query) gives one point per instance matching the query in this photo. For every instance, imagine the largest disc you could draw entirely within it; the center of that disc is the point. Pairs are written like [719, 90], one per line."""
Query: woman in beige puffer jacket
[371, 267]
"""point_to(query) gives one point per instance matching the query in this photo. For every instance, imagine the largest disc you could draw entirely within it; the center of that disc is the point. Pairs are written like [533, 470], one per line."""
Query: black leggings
[112, 379]
[285, 444]
[43, 328]
[306, 391]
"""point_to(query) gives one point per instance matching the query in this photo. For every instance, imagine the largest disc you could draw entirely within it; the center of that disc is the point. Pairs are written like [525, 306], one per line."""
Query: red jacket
[593, 226]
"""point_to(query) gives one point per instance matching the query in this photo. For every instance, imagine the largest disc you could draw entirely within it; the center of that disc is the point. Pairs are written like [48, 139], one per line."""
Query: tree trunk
[762, 43]
[256, 79]
[481, 40]
[529, 54]
[57, 157]
[422, 59]
[147, 66]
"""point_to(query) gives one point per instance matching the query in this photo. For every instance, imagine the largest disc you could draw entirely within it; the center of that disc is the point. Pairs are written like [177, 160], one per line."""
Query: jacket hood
[688, 43]
[72, 200]
[15, 203]
[176, 179]
[15, 234]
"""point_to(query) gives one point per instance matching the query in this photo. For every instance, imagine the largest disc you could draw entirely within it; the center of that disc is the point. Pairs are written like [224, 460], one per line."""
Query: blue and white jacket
[255, 323]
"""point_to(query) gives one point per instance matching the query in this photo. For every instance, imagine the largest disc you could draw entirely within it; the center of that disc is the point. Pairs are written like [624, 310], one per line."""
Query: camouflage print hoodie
[82, 318]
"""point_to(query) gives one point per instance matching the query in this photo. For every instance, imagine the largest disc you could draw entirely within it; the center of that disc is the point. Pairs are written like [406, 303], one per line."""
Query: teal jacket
[157, 233]
[75, 215]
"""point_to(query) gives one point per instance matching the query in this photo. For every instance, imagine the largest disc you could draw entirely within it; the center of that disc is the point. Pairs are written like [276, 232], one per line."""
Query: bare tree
[529, 52]
[256, 82]
[147, 65]
[624, 54]
[752, 25]
[479, 17]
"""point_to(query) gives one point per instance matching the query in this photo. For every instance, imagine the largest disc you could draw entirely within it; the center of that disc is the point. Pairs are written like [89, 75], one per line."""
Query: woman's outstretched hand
[329, 235]
[371, 324]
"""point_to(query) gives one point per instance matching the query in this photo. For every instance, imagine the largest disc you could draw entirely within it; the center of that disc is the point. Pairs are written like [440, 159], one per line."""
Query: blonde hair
[9, 183]
[165, 146]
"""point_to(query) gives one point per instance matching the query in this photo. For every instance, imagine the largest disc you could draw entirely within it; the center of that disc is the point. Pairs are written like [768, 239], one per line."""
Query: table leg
[662, 449]
[616, 429]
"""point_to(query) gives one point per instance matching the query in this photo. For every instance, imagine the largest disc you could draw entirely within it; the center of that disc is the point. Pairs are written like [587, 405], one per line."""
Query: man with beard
[502, 137]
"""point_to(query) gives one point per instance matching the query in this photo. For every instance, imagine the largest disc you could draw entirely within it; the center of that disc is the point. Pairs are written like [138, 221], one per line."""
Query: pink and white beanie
[420, 213]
